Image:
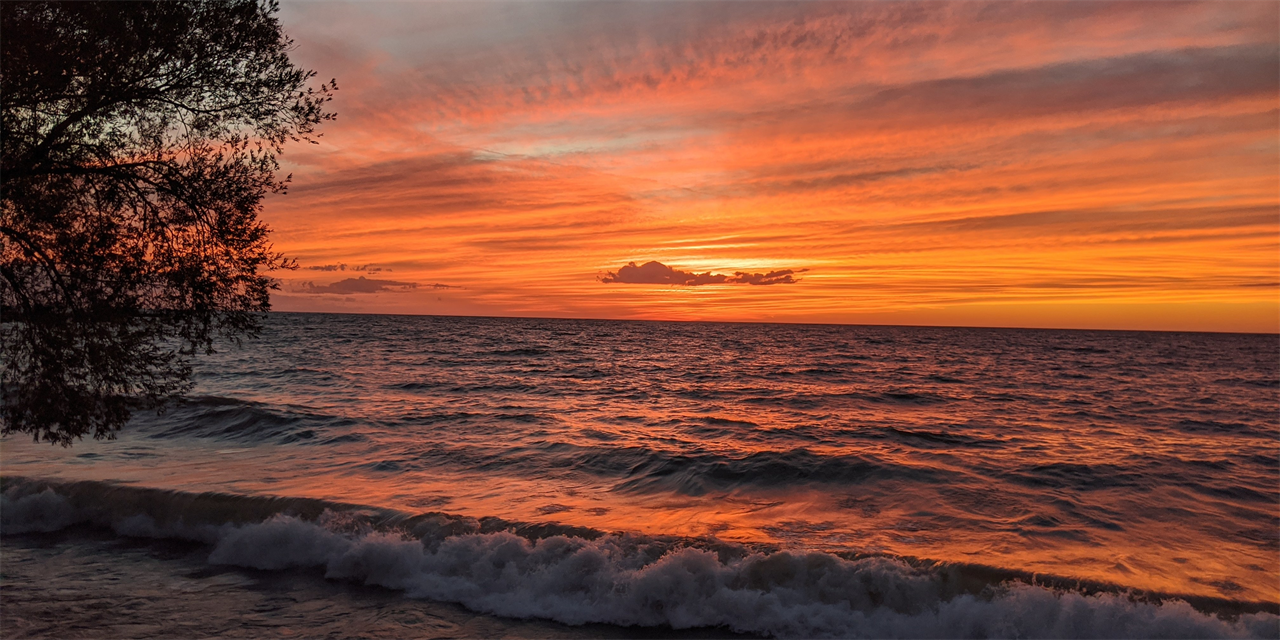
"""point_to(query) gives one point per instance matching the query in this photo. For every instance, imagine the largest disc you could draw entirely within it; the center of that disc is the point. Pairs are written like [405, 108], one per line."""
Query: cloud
[784, 276]
[653, 272]
[658, 273]
[363, 285]
[1125, 159]
[343, 267]
[1190, 75]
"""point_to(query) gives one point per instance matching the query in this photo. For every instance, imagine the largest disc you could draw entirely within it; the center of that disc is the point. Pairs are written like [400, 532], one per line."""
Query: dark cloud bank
[367, 285]
[657, 273]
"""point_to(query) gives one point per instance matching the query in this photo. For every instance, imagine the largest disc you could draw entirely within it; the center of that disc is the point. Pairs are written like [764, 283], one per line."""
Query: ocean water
[771, 480]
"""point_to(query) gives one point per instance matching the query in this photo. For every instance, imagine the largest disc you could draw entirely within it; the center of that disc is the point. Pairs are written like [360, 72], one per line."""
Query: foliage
[139, 140]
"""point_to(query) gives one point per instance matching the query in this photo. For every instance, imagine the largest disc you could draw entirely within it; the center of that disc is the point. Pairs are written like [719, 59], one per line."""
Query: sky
[1043, 164]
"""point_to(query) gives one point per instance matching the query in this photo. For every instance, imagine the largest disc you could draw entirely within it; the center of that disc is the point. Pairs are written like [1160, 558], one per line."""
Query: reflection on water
[1141, 459]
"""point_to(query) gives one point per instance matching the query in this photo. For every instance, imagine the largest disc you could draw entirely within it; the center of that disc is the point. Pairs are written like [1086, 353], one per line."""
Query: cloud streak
[366, 285]
[920, 157]
[654, 272]
[342, 266]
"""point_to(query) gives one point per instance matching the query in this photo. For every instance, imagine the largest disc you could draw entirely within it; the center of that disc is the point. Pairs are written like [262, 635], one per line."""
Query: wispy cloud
[341, 266]
[783, 276]
[367, 285]
[916, 155]
[654, 272]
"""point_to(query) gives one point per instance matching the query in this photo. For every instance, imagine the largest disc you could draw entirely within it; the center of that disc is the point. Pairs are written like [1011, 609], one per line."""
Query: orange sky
[1079, 164]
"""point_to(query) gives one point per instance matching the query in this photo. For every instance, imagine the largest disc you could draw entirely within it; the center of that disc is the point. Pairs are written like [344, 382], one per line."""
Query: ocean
[416, 476]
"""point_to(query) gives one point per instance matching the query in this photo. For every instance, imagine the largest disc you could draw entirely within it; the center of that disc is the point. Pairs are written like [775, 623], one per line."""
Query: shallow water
[85, 583]
[1143, 460]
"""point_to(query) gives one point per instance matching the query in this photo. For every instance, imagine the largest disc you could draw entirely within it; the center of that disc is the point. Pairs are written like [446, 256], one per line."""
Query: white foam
[634, 580]
[577, 581]
[44, 511]
[24, 508]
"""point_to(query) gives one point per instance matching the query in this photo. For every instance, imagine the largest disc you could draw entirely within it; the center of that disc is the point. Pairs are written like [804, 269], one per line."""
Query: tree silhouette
[139, 140]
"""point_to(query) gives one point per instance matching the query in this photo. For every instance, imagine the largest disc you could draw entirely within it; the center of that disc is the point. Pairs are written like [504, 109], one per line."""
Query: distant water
[786, 480]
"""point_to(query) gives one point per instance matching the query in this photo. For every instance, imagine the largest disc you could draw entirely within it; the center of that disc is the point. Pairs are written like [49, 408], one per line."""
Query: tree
[139, 140]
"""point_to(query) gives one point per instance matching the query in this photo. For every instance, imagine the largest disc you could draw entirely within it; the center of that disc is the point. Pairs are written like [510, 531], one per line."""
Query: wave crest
[619, 579]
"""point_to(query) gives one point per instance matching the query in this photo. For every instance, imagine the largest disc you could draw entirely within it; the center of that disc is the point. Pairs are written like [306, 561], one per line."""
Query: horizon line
[811, 324]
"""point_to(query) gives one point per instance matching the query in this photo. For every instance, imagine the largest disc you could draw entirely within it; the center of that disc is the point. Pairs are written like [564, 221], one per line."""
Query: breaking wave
[577, 575]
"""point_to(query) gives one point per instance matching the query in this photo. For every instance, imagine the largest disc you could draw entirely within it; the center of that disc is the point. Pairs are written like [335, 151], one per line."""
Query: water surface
[1141, 460]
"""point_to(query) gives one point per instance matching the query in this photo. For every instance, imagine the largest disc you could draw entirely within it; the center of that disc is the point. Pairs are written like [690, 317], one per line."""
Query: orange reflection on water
[937, 523]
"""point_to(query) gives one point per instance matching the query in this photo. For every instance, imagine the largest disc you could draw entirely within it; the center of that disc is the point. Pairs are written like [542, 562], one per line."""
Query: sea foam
[618, 579]
[43, 511]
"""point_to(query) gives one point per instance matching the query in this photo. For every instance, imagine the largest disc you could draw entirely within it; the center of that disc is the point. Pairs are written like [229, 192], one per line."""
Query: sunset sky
[1080, 164]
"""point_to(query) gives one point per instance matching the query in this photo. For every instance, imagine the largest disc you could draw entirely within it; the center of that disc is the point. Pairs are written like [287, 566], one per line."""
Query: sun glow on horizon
[1100, 165]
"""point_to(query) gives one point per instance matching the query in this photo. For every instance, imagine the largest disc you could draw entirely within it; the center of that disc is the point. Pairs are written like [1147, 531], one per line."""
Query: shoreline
[277, 538]
[85, 582]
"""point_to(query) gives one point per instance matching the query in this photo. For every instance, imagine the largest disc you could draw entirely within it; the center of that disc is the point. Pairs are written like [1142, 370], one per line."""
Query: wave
[697, 474]
[689, 469]
[577, 575]
[237, 420]
[641, 469]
